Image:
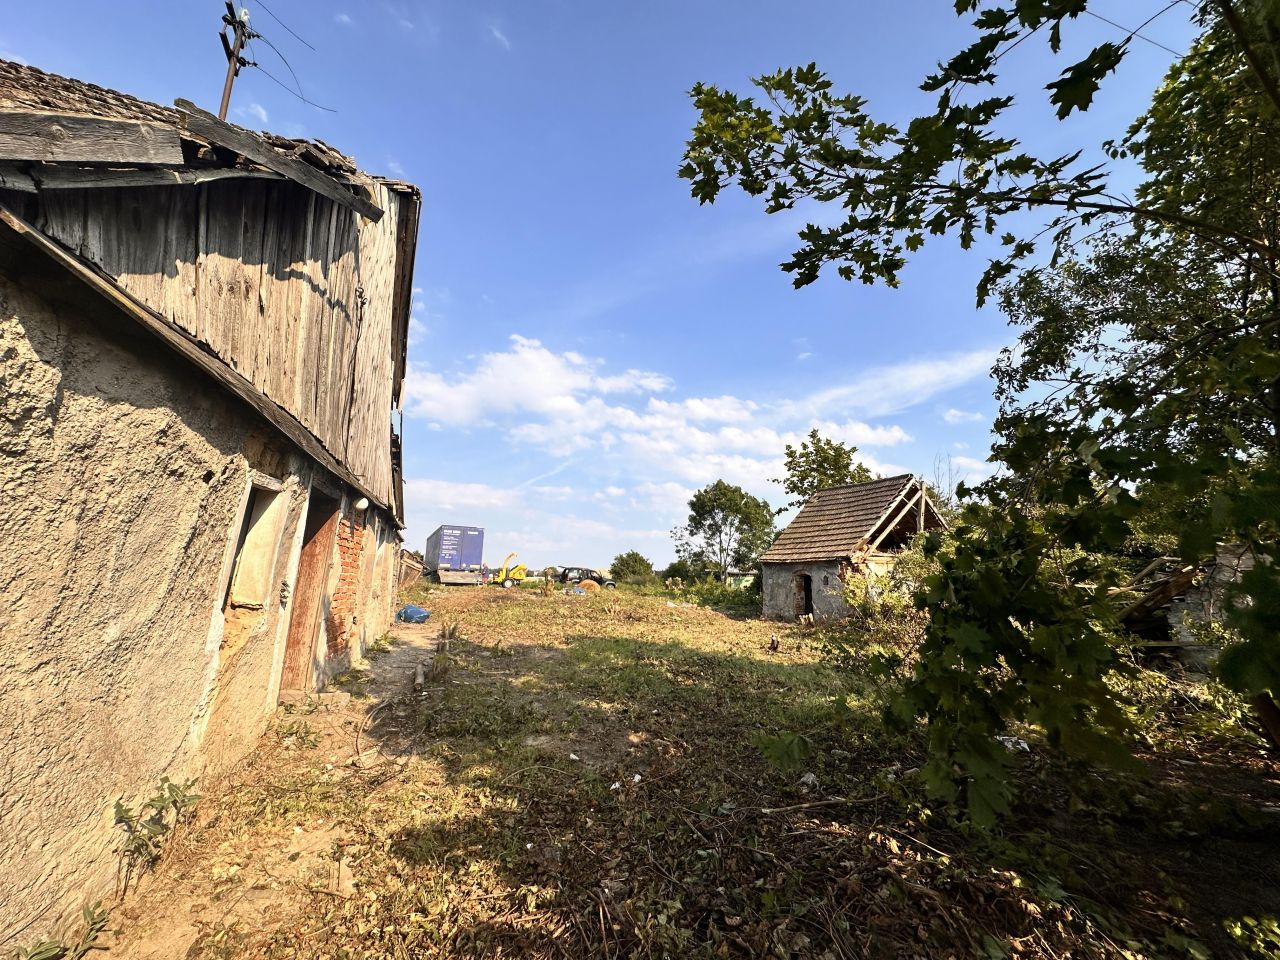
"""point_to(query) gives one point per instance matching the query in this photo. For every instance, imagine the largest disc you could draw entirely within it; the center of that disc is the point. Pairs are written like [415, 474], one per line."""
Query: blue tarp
[411, 614]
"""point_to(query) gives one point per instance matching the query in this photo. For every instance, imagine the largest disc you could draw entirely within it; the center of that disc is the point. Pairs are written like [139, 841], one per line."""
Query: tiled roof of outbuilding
[837, 521]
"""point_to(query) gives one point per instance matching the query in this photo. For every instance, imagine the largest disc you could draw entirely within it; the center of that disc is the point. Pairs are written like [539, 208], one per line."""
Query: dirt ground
[583, 777]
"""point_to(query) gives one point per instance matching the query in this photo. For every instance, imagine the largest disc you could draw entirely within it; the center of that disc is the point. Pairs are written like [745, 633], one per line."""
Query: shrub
[712, 593]
[631, 567]
[885, 626]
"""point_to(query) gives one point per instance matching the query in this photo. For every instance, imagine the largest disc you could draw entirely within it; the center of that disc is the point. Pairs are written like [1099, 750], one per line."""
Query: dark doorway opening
[308, 593]
[803, 594]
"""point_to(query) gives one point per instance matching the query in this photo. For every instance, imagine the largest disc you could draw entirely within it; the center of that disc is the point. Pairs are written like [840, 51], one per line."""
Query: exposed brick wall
[351, 534]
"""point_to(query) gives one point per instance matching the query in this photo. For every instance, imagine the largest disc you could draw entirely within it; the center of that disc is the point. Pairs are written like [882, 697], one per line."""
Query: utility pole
[239, 24]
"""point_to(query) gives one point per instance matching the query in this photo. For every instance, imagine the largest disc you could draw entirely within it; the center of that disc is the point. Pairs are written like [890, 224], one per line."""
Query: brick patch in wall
[351, 533]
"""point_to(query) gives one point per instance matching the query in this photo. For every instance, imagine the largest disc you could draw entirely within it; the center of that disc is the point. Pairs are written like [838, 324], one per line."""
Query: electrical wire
[285, 25]
[284, 86]
[1135, 33]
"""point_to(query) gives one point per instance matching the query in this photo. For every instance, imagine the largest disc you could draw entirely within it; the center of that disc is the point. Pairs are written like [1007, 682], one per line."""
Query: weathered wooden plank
[271, 284]
[247, 145]
[79, 178]
[183, 343]
[11, 178]
[914, 492]
[63, 137]
[408, 208]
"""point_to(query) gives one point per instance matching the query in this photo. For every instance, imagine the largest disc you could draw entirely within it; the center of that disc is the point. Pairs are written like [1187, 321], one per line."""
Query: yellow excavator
[509, 576]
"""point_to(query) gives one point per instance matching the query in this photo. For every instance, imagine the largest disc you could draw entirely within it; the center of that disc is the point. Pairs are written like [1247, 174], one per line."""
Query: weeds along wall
[151, 527]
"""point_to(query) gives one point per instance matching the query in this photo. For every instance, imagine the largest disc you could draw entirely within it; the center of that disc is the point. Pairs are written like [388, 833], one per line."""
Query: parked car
[578, 574]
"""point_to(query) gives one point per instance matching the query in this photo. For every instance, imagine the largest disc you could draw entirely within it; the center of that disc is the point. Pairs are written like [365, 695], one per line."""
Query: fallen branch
[833, 801]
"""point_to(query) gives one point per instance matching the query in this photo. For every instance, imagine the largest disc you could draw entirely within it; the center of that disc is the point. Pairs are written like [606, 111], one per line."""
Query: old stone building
[853, 528]
[202, 342]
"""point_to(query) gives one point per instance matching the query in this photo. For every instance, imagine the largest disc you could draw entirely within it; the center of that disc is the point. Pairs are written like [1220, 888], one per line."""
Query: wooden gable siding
[294, 291]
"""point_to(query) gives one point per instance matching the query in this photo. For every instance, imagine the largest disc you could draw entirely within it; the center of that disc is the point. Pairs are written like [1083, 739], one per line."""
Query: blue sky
[589, 345]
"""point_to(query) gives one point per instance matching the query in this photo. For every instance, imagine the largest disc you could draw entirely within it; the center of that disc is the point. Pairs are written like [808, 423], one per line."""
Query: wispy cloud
[670, 263]
[570, 404]
[496, 32]
[343, 18]
[890, 389]
[401, 14]
[394, 168]
[954, 416]
[253, 111]
[631, 448]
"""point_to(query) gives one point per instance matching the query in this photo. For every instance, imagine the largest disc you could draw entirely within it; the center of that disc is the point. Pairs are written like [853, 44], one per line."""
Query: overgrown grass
[595, 777]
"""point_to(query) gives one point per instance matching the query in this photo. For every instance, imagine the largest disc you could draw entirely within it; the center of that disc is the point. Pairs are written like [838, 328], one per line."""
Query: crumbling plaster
[779, 590]
[122, 483]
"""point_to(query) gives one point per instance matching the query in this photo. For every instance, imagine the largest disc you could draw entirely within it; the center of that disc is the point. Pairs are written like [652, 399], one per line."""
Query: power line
[288, 89]
[242, 39]
[288, 66]
[284, 86]
[1135, 33]
[285, 25]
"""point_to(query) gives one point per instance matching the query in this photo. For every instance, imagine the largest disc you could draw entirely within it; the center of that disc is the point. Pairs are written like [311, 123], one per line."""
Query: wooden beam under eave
[184, 344]
[82, 178]
[892, 525]
[248, 145]
[72, 138]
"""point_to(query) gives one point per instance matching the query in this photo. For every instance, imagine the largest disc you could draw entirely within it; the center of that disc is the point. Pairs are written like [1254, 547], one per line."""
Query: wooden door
[308, 592]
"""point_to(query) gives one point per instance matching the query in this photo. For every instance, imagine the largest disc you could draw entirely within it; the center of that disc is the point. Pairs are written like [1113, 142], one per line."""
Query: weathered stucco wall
[780, 590]
[123, 482]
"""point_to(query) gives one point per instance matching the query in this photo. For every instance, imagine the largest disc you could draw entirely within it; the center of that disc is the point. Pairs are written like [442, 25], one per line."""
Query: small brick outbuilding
[858, 527]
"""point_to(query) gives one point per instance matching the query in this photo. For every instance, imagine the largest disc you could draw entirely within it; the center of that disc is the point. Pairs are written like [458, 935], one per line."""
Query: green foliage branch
[818, 463]
[1148, 369]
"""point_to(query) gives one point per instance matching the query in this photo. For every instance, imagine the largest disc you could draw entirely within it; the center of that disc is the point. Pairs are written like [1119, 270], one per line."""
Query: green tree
[684, 569]
[631, 564]
[1148, 368]
[816, 464]
[727, 528]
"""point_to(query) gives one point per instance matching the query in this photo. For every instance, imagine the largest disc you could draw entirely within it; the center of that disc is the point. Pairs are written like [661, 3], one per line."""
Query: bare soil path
[584, 778]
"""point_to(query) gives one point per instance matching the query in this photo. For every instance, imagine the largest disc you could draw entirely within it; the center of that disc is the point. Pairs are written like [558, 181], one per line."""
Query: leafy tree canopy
[947, 171]
[1146, 379]
[631, 564]
[727, 528]
[816, 464]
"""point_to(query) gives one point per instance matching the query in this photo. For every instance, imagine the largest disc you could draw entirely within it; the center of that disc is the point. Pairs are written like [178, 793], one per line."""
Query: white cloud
[563, 404]
[962, 416]
[499, 36]
[723, 409]
[393, 166]
[423, 493]
[402, 14]
[638, 448]
[253, 111]
[973, 469]
[343, 19]
[886, 390]
[527, 379]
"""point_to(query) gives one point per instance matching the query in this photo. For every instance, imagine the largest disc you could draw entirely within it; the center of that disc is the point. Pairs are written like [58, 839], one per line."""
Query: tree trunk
[1269, 714]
